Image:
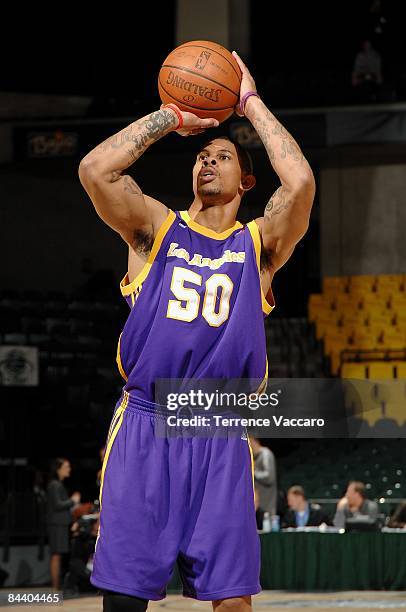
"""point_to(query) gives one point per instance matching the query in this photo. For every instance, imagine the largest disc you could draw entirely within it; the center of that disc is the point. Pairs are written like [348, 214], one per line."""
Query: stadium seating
[361, 314]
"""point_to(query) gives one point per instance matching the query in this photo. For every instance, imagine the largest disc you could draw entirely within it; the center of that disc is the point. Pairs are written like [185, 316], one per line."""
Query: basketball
[201, 77]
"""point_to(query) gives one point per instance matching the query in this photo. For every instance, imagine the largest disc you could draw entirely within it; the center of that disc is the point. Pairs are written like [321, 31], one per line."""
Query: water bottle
[275, 522]
[266, 523]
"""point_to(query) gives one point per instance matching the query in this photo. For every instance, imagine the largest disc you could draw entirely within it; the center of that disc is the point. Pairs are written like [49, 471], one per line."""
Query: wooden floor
[272, 601]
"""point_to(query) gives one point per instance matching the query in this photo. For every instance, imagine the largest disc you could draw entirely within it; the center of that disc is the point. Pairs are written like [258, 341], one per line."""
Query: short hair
[359, 487]
[244, 157]
[297, 490]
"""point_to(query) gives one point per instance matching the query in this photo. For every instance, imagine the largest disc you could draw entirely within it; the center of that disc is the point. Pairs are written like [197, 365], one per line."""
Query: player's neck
[215, 217]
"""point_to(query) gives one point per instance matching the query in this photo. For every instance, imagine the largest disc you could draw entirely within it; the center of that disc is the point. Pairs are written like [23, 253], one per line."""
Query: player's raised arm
[286, 216]
[117, 198]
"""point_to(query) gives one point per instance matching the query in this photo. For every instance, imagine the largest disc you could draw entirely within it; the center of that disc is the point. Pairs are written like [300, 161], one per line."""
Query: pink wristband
[244, 99]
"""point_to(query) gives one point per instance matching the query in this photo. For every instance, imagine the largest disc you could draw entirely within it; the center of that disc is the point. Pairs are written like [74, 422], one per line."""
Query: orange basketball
[201, 77]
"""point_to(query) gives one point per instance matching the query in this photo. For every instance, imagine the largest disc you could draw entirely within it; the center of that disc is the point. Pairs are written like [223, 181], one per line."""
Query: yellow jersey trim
[200, 229]
[262, 387]
[129, 288]
[118, 419]
[118, 359]
[252, 465]
[256, 239]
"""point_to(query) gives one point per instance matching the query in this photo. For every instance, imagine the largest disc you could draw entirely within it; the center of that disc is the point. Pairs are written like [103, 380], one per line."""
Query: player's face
[217, 172]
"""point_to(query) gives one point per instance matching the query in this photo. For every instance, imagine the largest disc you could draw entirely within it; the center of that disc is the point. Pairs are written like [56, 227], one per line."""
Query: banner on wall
[58, 143]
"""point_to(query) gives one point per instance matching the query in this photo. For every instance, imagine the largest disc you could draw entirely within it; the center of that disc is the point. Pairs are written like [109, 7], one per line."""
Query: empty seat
[399, 297]
[378, 312]
[345, 302]
[393, 396]
[317, 306]
[353, 370]
[380, 370]
[335, 284]
[400, 369]
[376, 307]
[361, 284]
[324, 327]
[335, 339]
[363, 339]
[394, 338]
[361, 399]
[390, 284]
[400, 318]
[356, 318]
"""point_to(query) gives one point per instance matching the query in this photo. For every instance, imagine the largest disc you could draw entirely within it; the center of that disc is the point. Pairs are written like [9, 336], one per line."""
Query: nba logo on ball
[202, 60]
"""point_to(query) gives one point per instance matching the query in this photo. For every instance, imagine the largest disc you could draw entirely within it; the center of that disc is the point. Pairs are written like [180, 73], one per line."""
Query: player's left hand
[192, 124]
[247, 81]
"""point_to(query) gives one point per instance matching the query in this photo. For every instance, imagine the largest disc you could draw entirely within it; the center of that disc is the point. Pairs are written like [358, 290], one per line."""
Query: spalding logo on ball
[201, 77]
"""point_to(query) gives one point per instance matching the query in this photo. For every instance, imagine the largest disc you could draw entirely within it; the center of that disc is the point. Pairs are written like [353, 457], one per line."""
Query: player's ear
[248, 181]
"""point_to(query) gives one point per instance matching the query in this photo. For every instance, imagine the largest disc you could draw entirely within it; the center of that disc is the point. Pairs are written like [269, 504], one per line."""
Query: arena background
[60, 308]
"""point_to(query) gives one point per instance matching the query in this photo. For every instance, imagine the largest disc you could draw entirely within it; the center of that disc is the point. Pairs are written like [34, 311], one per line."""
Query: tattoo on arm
[289, 148]
[131, 186]
[277, 203]
[139, 137]
[267, 126]
[262, 126]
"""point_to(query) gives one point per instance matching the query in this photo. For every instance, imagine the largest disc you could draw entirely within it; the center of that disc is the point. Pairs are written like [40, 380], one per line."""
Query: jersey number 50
[213, 314]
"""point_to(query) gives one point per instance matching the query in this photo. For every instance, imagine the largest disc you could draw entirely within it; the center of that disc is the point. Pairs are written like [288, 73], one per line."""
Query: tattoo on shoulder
[131, 186]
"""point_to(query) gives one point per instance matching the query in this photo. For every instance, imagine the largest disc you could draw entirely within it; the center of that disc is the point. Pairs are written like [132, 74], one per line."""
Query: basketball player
[198, 286]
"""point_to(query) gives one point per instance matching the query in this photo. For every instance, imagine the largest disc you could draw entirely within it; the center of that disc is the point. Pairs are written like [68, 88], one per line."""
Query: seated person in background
[354, 504]
[83, 545]
[301, 513]
[398, 518]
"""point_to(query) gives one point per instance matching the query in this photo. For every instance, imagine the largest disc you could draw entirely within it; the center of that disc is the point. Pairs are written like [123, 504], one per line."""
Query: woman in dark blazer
[59, 516]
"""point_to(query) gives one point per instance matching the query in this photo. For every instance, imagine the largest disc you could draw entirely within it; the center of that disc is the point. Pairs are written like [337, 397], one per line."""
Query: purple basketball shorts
[181, 499]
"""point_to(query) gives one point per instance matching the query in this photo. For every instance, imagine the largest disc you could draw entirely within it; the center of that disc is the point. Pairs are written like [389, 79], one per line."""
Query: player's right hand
[192, 124]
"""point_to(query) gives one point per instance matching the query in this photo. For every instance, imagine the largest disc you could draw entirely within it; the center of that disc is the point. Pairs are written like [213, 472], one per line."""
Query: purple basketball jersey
[197, 307]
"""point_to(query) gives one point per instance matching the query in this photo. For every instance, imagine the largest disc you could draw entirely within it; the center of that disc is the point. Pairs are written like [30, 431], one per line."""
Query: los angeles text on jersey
[221, 421]
[203, 262]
